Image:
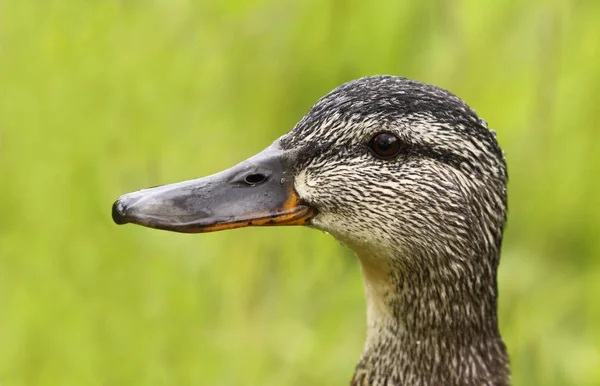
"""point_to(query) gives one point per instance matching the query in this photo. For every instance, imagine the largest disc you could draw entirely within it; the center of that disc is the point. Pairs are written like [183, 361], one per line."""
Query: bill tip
[118, 213]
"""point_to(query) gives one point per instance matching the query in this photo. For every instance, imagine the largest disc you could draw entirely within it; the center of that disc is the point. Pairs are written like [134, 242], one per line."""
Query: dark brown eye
[385, 145]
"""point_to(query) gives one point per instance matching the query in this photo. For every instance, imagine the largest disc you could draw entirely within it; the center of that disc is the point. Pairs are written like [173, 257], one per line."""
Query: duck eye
[385, 145]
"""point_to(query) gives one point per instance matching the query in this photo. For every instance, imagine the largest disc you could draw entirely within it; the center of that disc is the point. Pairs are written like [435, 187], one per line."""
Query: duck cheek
[305, 186]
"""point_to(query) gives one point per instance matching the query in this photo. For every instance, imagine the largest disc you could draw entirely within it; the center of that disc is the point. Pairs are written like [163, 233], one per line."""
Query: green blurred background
[98, 98]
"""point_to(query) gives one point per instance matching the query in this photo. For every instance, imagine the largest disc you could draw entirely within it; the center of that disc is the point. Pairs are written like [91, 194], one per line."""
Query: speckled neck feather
[427, 328]
[426, 225]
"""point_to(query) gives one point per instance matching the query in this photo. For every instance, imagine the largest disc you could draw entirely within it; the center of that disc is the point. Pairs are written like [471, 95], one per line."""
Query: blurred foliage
[98, 98]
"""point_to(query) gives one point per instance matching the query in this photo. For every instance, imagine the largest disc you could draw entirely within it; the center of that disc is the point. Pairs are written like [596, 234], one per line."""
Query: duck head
[381, 163]
[410, 178]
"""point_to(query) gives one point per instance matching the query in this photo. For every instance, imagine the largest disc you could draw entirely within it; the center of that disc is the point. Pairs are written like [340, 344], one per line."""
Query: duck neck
[431, 326]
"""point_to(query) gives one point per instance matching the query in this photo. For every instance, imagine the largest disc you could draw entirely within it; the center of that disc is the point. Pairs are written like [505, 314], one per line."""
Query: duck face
[382, 163]
[398, 167]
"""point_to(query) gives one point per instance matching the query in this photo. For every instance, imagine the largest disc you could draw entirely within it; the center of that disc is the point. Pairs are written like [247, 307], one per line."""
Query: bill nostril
[255, 178]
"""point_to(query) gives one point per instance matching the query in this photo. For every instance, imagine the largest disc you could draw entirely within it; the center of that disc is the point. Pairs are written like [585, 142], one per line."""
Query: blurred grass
[98, 98]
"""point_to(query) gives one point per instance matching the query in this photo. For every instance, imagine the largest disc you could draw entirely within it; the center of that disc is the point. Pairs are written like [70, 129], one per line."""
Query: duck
[410, 178]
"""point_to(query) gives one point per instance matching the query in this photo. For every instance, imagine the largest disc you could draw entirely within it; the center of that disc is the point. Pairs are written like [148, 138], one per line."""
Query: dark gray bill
[258, 191]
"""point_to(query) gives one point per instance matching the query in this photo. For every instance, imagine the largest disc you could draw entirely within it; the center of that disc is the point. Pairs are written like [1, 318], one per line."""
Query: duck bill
[257, 192]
